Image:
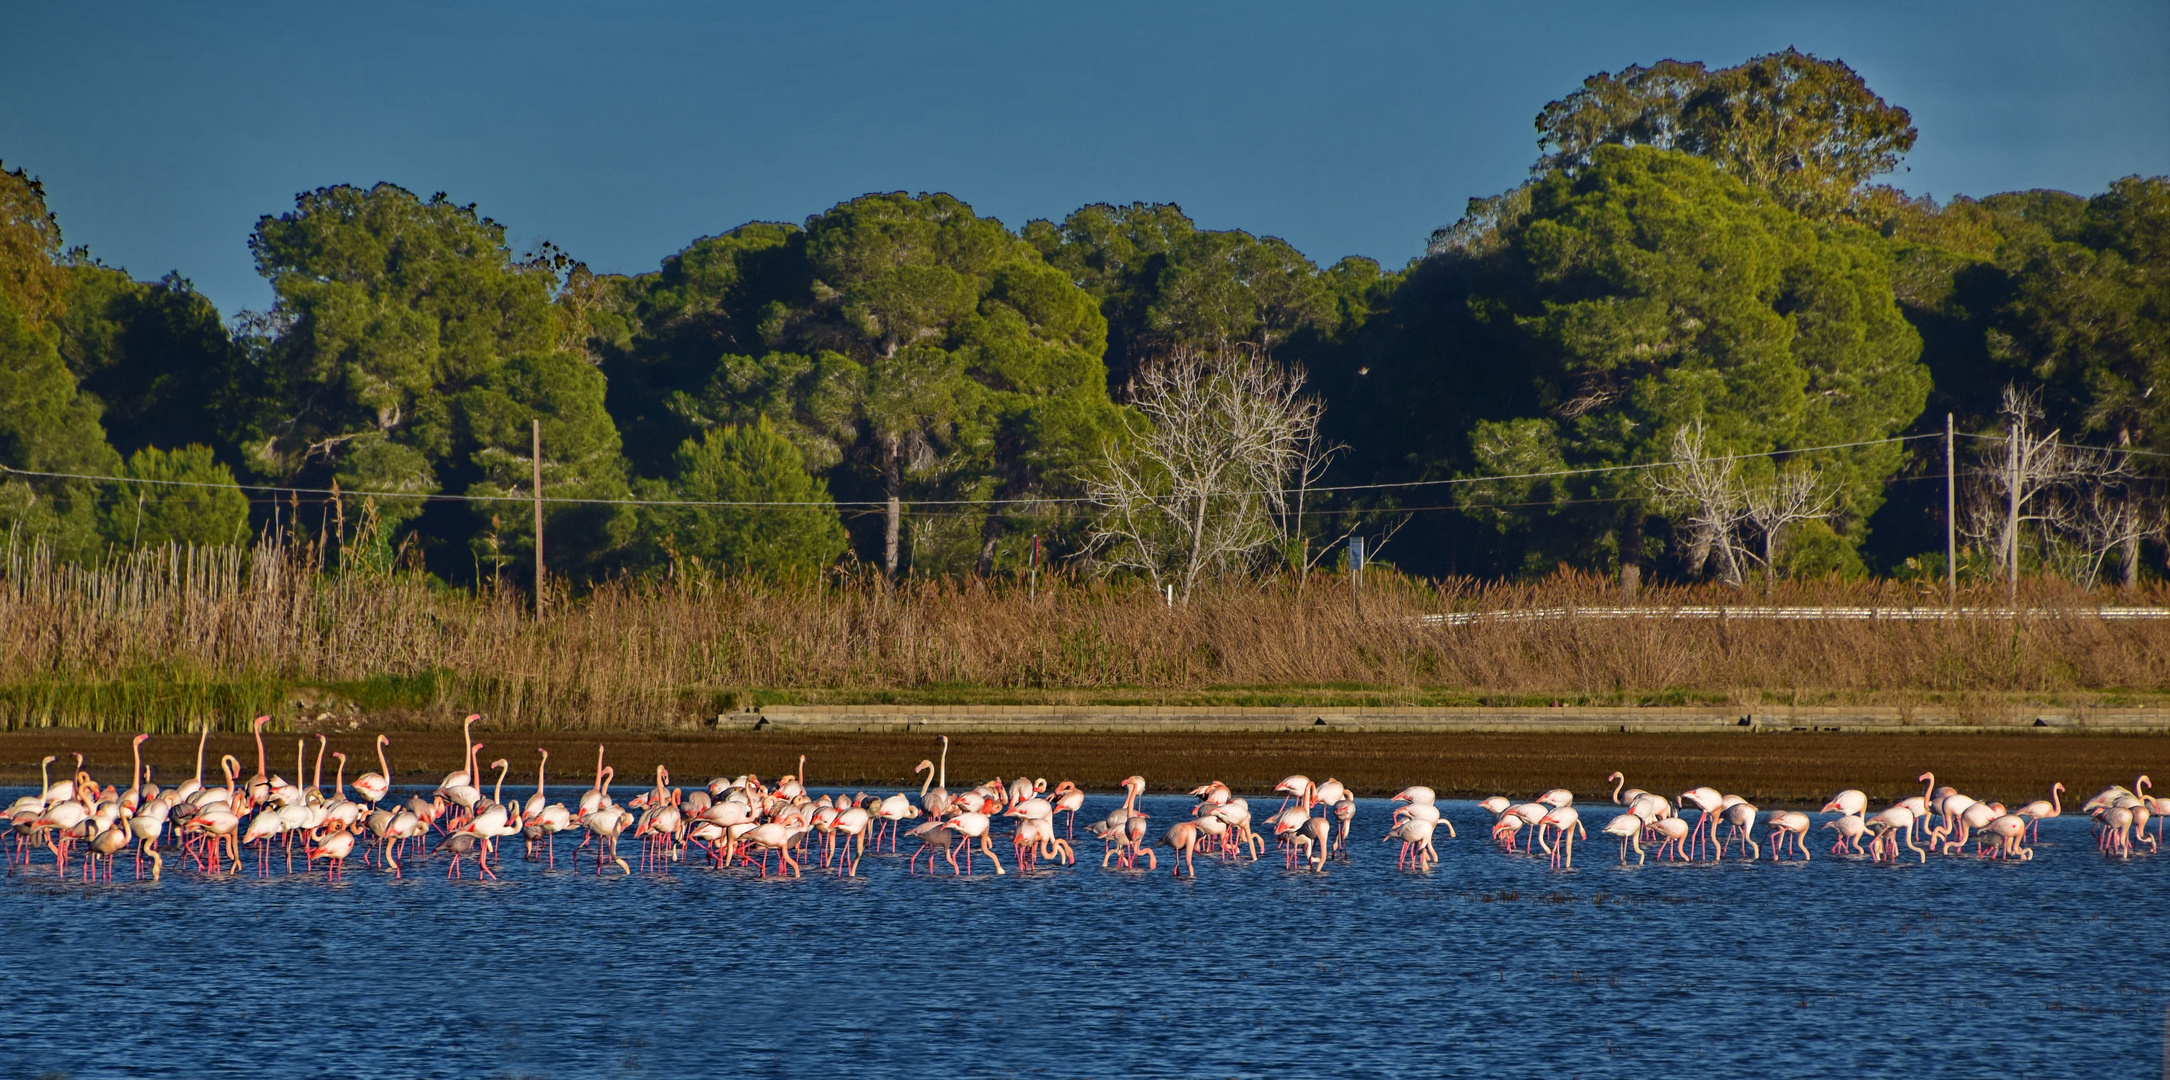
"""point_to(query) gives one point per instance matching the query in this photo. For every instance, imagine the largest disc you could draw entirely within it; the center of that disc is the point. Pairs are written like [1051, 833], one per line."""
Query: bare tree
[1203, 484]
[2101, 514]
[2018, 479]
[1707, 492]
[1720, 504]
[1794, 494]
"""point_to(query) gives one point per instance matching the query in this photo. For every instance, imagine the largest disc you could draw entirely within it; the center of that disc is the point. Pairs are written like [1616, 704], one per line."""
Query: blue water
[1488, 965]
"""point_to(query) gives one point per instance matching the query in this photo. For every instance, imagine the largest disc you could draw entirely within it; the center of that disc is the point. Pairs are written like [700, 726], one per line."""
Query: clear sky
[622, 130]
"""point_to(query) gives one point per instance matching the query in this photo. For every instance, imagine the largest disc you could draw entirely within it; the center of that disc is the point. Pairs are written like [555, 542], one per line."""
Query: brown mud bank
[1772, 769]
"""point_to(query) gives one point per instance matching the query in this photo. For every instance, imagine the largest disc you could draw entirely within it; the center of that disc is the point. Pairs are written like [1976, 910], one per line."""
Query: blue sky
[623, 130]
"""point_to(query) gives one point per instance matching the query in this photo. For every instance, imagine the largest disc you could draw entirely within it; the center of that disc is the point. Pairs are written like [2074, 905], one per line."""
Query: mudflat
[1771, 769]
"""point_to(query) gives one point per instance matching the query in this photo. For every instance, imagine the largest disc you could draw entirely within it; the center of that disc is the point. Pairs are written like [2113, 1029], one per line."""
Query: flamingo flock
[743, 821]
[1945, 818]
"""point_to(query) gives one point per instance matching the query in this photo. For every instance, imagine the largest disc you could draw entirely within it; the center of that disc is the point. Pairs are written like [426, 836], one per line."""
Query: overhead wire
[281, 492]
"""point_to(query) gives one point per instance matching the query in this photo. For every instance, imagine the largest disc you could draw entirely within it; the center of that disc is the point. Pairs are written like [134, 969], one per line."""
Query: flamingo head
[258, 723]
[141, 739]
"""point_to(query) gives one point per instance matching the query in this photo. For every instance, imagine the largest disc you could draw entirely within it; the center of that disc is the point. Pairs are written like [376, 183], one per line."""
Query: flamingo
[335, 847]
[1893, 822]
[1741, 815]
[2116, 835]
[934, 836]
[373, 786]
[465, 774]
[1789, 825]
[1415, 834]
[1850, 828]
[1629, 828]
[1674, 832]
[134, 798]
[1848, 801]
[1297, 787]
[2010, 830]
[262, 778]
[604, 825]
[2044, 808]
[1708, 801]
[190, 787]
[973, 826]
[1182, 837]
[1567, 822]
[1069, 798]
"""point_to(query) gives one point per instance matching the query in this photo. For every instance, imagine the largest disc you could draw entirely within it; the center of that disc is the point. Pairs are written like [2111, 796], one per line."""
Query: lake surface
[1490, 964]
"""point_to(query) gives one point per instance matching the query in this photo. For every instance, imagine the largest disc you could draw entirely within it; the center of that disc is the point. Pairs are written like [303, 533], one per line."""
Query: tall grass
[166, 639]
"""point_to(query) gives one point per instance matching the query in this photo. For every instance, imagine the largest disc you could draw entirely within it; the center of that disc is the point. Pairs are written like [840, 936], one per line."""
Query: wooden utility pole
[538, 522]
[1951, 513]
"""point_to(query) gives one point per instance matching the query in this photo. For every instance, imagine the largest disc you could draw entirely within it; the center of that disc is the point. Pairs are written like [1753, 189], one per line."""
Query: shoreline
[1774, 769]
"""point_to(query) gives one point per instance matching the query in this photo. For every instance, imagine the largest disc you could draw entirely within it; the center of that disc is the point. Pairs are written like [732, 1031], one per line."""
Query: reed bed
[166, 639]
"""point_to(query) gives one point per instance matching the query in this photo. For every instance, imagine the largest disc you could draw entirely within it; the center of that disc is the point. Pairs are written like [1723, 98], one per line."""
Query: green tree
[2084, 308]
[1808, 131]
[189, 498]
[493, 431]
[743, 464]
[31, 270]
[907, 347]
[46, 426]
[1164, 284]
[1646, 291]
[411, 351]
[155, 355]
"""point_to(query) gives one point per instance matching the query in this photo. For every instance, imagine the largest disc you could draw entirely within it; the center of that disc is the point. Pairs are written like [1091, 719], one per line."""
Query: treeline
[1696, 343]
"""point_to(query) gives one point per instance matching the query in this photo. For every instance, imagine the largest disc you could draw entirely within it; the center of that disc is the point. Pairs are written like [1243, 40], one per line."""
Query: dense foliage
[903, 382]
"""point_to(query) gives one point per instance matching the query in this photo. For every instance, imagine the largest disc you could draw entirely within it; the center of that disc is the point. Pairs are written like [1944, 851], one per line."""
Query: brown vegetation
[165, 640]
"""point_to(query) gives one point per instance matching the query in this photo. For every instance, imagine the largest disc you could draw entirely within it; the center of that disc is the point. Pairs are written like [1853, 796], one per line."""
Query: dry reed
[165, 639]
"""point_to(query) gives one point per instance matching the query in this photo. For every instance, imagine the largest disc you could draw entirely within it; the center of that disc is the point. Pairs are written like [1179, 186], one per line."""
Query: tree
[1646, 291]
[1164, 284]
[2083, 307]
[2026, 478]
[1808, 131]
[1719, 504]
[1202, 484]
[155, 355]
[411, 351]
[31, 270]
[188, 498]
[492, 427]
[907, 346]
[47, 427]
[797, 529]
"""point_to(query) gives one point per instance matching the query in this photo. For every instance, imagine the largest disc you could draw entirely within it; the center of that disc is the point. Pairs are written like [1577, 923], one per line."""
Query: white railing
[1803, 614]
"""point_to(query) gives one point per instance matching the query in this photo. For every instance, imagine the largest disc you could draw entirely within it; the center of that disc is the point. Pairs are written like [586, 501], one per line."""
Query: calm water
[1489, 965]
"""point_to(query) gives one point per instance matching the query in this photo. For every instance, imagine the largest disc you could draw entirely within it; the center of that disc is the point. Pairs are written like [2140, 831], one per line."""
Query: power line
[876, 504]
[2133, 450]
